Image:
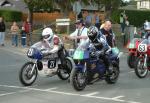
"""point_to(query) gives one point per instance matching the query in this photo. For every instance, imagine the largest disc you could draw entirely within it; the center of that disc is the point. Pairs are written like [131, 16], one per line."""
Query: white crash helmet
[147, 26]
[47, 33]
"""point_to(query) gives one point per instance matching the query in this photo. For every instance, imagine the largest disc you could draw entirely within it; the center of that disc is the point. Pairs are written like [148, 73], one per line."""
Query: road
[128, 89]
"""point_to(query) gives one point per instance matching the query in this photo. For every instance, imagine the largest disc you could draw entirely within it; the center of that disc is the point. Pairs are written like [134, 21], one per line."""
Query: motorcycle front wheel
[113, 77]
[140, 71]
[26, 76]
[78, 79]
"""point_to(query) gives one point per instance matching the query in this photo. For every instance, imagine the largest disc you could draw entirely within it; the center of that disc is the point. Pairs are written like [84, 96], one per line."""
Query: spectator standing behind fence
[14, 32]
[97, 19]
[23, 37]
[27, 27]
[2, 31]
[88, 19]
[123, 18]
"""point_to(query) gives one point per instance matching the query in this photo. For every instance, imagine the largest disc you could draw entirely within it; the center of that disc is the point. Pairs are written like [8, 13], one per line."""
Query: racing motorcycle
[89, 68]
[143, 61]
[44, 65]
[133, 52]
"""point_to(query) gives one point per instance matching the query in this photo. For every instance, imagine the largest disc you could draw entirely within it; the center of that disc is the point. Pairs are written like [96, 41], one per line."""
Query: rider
[100, 43]
[147, 29]
[53, 43]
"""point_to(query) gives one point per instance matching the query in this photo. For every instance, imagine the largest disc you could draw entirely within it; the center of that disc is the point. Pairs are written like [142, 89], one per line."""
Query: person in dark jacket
[2, 31]
[108, 33]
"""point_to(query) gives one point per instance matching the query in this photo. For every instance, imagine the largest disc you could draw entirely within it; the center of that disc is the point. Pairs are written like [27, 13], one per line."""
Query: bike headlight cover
[34, 53]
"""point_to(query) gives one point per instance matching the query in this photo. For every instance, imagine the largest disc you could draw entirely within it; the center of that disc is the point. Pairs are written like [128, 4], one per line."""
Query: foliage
[10, 15]
[135, 17]
[37, 5]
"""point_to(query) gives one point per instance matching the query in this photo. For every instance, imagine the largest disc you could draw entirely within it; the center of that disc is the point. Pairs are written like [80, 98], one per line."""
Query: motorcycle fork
[85, 67]
[145, 61]
[34, 65]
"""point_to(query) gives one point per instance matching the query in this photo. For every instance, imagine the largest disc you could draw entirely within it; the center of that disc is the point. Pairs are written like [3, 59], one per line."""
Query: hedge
[10, 15]
[135, 17]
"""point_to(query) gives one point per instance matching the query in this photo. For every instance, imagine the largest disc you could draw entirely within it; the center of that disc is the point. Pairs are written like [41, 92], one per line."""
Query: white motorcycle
[44, 65]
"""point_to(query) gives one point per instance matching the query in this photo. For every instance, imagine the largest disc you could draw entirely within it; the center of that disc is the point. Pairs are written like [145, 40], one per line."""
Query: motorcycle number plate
[51, 64]
[142, 48]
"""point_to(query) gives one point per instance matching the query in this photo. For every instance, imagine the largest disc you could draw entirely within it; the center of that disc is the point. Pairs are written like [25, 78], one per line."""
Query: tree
[110, 5]
[38, 5]
[66, 5]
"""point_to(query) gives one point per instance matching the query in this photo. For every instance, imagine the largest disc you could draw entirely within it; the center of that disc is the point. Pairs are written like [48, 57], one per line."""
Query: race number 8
[142, 48]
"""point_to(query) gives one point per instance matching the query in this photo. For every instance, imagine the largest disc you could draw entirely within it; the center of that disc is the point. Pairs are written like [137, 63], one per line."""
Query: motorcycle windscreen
[80, 55]
[132, 44]
[81, 52]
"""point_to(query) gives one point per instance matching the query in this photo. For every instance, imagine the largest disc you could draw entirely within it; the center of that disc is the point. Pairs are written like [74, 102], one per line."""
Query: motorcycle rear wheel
[25, 76]
[130, 60]
[140, 71]
[78, 79]
[64, 71]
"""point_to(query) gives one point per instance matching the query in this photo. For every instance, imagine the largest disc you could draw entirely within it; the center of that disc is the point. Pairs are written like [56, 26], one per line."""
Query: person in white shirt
[80, 34]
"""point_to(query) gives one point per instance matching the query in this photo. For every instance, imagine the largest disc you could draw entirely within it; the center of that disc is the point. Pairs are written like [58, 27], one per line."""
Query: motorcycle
[44, 65]
[89, 68]
[143, 61]
[133, 53]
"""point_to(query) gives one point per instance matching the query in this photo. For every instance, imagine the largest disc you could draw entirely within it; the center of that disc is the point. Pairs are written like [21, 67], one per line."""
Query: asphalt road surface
[128, 89]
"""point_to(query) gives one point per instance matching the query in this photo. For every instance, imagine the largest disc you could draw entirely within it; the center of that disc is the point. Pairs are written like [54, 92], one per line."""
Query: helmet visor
[46, 36]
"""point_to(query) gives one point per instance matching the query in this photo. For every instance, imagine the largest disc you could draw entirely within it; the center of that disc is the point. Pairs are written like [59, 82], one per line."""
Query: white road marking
[117, 97]
[7, 94]
[51, 89]
[22, 91]
[67, 93]
[91, 94]
[64, 93]
[131, 71]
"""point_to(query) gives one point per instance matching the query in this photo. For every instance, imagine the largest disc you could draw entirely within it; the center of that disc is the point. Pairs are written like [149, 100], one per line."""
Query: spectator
[80, 34]
[80, 16]
[107, 31]
[145, 24]
[14, 31]
[2, 31]
[88, 19]
[27, 27]
[23, 37]
[123, 21]
[97, 20]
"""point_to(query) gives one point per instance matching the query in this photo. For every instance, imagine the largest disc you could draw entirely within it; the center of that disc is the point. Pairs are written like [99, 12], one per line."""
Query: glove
[45, 52]
[100, 53]
[92, 54]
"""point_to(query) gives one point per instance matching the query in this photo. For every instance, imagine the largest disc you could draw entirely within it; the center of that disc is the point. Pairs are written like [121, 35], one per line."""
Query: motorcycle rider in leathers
[100, 43]
[147, 29]
[51, 43]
